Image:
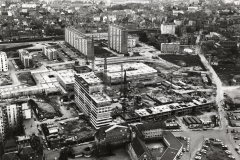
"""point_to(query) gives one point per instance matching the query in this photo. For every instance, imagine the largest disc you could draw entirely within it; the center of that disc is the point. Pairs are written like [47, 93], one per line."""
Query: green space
[184, 60]
[5, 79]
[100, 52]
[26, 78]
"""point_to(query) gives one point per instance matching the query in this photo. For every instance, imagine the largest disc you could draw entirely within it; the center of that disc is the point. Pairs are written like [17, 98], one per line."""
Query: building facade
[171, 48]
[118, 38]
[168, 28]
[91, 99]
[3, 62]
[50, 52]
[80, 41]
[25, 58]
[113, 135]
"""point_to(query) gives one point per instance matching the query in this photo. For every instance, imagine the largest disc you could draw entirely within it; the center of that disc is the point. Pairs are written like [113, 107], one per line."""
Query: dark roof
[169, 154]
[10, 156]
[174, 143]
[27, 150]
[149, 126]
[10, 143]
[101, 131]
[139, 147]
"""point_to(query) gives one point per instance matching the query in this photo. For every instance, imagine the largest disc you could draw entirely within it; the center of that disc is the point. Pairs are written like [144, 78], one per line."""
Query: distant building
[194, 1]
[80, 41]
[228, 44]
[192, 9]
[188, 39]
[118, 38]
[171, 48]
[168, 28]
[50, 52]
[25, 58]
[3, 62]
[177, 12]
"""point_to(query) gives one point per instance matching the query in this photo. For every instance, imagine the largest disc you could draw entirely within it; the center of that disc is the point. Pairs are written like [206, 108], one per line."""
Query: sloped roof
[10, 143]
[10, 156]
[139, 147]
[27, 150]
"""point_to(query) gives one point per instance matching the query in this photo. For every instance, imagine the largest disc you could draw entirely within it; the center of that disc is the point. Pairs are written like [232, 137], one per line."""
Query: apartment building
[50, 52]
[91, 99]
[118, 38]
[3, 62]
[80, 41]
[25, 58]
[170, 48]
[168, 28]
[10, 120]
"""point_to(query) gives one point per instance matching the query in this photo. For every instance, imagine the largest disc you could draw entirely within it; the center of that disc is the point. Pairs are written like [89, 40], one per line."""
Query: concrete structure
[91, 99]
[50, 52]
[168, 28]
[66, 79]
[3, 62]
[118, 38]
[135, 72]
[80, 41]
[25, 58]
[192, 9]
[133, 40]
[171, 48]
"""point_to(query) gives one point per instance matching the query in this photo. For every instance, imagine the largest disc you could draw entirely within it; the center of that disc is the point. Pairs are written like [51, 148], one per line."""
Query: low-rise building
[113, 135]
[170, 48]
[66, 79]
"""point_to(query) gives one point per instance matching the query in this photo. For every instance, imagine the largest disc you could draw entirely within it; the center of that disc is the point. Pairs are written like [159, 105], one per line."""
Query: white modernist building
[168, 28]
[91, 99]
[3, 62]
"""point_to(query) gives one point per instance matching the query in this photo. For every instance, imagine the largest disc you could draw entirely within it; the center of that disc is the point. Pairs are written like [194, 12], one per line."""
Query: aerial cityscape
[120, 79]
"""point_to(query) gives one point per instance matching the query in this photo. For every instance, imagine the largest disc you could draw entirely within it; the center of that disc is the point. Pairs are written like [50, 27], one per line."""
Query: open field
[78, 128]
[188, 60]
[226, 72]
[26, 78]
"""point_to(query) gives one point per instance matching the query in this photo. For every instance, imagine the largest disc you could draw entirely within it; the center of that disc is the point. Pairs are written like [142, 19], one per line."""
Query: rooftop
[67, 76]
[100, 97]
[90, 78]
[132, 69]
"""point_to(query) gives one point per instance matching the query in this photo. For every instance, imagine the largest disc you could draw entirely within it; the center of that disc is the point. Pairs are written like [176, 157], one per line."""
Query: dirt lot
[189, 60]
[5, 79]
[26, 78]
[78, 128]
[226, 72]
[46, 110]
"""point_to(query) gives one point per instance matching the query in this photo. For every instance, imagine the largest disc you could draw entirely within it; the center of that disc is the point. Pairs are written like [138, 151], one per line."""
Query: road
[220, 133]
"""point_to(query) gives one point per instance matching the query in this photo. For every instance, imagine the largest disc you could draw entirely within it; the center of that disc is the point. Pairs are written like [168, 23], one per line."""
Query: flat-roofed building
[91, 99]
[25, 58]
[168, 28]
[3, 62]
[50, 52]
[66, 79]
[118, 38]
[171, 48]
[136, 72]
[80, 41]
